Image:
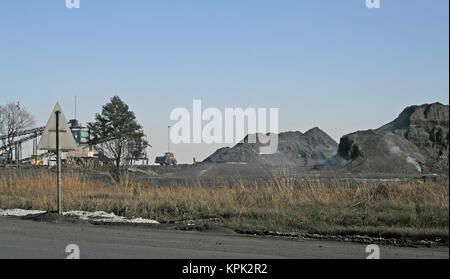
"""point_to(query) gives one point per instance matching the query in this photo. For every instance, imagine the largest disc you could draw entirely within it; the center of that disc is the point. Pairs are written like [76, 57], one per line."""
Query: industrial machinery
[16, 146]
[80, 133]
[84, 154]
[11, 153]
[166, 160]
[37, 160]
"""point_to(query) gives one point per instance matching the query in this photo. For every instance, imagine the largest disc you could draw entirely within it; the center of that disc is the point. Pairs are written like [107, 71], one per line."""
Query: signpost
[57, 137]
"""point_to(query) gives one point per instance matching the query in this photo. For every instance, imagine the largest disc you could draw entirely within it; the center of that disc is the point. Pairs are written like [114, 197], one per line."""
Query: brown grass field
[413, 210]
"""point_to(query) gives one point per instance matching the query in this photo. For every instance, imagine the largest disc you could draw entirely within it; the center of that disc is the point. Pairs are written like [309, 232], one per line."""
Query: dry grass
[414, 209]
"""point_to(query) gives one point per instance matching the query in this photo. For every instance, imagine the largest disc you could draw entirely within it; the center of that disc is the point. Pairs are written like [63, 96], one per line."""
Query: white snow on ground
[100, 216]
[19, 212]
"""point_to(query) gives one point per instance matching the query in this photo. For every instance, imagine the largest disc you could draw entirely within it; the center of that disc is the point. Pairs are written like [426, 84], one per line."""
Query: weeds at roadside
[415, 209]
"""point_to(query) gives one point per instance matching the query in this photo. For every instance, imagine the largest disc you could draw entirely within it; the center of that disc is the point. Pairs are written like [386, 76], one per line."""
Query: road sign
[57, 136]
[48, 138]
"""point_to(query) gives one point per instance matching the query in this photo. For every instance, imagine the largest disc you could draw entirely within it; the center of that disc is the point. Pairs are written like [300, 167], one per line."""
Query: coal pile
[415, 142]
[427, 127]
[312, 148]
[374, 151]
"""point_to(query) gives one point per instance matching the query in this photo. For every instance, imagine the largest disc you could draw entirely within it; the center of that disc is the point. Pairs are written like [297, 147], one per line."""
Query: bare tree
[13, 120]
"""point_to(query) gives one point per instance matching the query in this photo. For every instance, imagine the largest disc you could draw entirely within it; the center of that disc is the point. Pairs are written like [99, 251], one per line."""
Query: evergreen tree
[117, 136]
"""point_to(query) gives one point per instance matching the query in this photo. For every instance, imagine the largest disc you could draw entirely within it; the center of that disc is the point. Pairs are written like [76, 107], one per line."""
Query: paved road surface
[30, 239]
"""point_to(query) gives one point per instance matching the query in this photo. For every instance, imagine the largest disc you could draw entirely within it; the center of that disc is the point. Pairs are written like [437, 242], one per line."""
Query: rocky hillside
[374, 151]
[314, 147]
[427, 127]
[417, 141]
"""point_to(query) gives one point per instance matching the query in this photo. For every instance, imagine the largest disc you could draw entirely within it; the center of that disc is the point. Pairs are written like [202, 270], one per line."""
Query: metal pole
[168, 138]
[20, 153]
[35, 144]
[17, 155]
[58, 162]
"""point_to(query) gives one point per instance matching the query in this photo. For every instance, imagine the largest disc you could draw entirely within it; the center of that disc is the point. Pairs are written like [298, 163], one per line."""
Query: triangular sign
[48, 138]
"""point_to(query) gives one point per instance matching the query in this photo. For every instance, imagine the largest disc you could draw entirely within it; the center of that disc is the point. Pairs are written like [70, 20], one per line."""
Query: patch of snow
[102, 216]
[140, 220]
[19, 212]
[99, 216]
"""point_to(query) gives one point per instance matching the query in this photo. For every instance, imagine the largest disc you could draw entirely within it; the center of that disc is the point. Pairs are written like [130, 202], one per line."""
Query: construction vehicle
[36, 160]
[166, 160]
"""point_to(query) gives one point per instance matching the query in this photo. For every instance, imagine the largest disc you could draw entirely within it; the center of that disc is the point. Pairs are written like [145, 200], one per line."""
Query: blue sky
[332, 64]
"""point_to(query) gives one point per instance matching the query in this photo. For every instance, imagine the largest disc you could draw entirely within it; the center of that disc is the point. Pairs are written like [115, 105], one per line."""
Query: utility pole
[75, 106]
[168, 139]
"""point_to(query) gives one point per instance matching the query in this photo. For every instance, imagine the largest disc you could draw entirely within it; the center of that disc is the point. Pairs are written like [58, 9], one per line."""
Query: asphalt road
[29, 239]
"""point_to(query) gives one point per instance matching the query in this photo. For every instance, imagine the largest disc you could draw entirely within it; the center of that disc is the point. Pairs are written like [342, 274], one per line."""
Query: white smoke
[394, 149]
[413, 161]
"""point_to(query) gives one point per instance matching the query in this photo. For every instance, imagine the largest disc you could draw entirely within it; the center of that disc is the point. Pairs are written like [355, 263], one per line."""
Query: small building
[80, 133]
[84, 154]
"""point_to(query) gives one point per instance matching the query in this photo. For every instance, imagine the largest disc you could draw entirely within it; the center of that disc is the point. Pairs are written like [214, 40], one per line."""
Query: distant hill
[314, 147]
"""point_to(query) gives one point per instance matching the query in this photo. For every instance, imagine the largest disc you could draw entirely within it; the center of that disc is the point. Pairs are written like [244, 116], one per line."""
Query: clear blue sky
[332, 64]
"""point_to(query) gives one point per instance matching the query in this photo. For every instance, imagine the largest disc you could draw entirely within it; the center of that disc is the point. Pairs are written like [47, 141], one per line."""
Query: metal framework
[26, 135]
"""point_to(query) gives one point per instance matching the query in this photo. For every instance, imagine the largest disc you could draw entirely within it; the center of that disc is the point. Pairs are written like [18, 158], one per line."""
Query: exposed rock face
[314, 147]
[417, 141]
[426, 126]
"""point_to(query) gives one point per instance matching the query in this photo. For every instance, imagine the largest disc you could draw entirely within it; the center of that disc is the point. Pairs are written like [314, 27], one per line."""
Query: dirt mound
[241, 153]
[415, 142]
[368, 151]
[427, 127]
[54, 217]
[314, 147]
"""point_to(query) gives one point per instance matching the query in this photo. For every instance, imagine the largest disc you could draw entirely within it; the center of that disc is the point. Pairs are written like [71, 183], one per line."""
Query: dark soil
[54, 217]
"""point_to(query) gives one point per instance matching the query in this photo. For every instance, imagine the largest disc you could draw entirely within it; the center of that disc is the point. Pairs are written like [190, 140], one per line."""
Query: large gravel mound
[368, 151]
[427, 127]
[417, 141]
[312, 148]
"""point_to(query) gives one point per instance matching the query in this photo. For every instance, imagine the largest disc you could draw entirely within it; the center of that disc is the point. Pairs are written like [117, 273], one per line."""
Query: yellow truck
[166, 160]
[36, 160]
